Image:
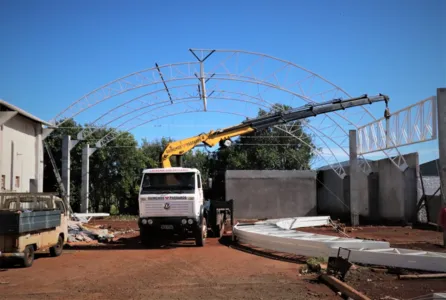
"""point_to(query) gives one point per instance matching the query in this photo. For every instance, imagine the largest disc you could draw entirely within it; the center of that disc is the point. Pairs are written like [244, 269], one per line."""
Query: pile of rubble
[79, 232]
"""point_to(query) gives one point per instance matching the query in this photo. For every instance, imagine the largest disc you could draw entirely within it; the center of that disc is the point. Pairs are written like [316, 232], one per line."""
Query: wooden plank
[343, 287]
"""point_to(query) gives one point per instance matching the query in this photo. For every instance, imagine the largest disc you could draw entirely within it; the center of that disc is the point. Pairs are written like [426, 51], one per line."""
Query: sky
[54, 52]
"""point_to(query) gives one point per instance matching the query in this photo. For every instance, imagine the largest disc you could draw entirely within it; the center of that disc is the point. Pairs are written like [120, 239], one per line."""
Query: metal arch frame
[341, 172]
[108, 140]
[87, 132]
[122, 84]
[100, 143]
[276, 59]
[91, 130]
[121, 81]
[254, 81]
[231, 78]
[112, 136]
[369, 141]
[400, 158]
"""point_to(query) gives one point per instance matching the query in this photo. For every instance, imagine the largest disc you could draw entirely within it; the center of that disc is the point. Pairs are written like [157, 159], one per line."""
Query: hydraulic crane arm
[210, 139]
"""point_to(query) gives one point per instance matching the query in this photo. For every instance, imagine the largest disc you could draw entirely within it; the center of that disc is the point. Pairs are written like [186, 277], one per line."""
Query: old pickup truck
[32, 223]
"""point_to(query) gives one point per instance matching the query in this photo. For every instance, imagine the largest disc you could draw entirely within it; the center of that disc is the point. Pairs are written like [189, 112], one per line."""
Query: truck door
[200, 188]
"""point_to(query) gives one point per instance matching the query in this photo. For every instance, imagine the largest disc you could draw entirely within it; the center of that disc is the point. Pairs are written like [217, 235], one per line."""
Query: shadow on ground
[131, 243]
[227, 241]
[15, 263]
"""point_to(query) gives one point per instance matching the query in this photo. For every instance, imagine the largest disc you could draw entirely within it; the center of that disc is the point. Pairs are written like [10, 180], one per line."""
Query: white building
[21, 150]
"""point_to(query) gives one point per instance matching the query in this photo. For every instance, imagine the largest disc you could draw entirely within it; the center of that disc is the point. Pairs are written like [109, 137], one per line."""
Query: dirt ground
[379, 285]
[126, 270]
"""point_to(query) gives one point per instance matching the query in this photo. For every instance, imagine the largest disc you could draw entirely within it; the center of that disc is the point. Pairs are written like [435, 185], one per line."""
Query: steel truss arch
[284, 79]
[88, 131]
[115, 134]
[109, 138]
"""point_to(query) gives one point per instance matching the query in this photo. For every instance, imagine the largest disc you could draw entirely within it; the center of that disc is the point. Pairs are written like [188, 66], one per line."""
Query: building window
[3, 183]
[17, 181]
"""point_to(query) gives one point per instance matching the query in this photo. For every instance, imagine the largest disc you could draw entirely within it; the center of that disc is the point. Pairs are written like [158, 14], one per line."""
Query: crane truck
[172, 203]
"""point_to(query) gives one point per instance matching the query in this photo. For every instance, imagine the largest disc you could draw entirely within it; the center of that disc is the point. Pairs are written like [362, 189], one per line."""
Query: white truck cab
[171, 205]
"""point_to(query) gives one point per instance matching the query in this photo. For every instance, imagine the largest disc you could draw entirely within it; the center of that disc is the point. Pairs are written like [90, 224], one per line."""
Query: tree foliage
[268, 149]
[115, 170]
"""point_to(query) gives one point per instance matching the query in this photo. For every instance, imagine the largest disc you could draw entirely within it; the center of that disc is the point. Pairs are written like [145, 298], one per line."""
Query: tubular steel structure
[216, 81]
[413, 124]
[280, 235]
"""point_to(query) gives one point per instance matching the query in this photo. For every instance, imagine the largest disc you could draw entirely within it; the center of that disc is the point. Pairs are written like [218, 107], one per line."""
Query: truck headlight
[144, 221]
[150, 221]
[190, 221]
[184, 221]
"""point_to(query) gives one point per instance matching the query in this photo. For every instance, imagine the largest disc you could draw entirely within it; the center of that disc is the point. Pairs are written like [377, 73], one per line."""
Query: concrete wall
[387, 195]
[398, 191]
[21, 154]
[271, 194]
[333, 196]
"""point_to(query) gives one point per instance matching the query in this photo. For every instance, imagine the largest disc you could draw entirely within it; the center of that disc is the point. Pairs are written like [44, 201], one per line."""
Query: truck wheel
[28, 258]
[200, 236]
[57, 250]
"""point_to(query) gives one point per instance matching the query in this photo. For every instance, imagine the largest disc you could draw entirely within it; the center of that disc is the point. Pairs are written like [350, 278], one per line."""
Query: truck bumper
[167, 226]
[11, 254]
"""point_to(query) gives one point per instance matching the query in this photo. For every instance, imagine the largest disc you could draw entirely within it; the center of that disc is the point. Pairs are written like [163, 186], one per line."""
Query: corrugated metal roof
[24, 113]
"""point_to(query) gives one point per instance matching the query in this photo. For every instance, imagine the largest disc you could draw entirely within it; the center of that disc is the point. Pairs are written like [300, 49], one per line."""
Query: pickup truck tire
[200, 235]
[28, 257]
[57, 250]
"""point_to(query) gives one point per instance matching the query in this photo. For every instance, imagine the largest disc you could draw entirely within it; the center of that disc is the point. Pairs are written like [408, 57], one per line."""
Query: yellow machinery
[178, 148]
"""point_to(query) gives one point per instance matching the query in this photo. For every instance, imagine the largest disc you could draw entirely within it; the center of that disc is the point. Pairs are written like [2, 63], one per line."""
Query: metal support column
[67, 145]
[441, 120]
[441, 111]
[354, 184]
[85, 190]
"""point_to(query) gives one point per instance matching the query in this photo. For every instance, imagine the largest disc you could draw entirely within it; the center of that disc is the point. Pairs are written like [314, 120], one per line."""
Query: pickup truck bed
[18, 222]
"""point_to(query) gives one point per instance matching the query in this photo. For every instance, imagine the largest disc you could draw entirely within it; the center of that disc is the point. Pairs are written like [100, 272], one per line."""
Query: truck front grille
[176, 208]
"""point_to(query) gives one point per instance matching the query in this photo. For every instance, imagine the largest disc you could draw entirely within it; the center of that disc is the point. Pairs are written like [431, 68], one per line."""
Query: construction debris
[79, 232]
[343, 288]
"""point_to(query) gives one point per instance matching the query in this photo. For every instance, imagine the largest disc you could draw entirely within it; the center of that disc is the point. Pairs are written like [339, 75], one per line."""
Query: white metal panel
[300, 243]
[401, 258]
[299, 222]
[269, 236]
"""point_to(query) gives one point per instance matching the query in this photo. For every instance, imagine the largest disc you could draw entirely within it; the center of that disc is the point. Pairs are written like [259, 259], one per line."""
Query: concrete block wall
[333, 196]
[271, 194]
[398, 191]
[387, 195]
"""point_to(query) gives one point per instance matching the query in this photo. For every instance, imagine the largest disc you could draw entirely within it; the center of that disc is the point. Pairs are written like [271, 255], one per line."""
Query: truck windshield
[168, 183]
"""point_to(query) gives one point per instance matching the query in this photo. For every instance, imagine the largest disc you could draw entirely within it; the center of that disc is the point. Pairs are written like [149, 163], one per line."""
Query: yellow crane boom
[179, 148]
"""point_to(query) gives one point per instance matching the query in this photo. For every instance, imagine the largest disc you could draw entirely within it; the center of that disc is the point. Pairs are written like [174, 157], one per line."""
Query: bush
[114, 210]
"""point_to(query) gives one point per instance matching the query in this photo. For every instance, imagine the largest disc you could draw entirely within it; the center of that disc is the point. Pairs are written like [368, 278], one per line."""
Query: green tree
[115, 170]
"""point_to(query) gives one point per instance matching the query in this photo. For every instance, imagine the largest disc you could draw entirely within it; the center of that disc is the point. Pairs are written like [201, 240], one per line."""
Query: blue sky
[54, 52]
